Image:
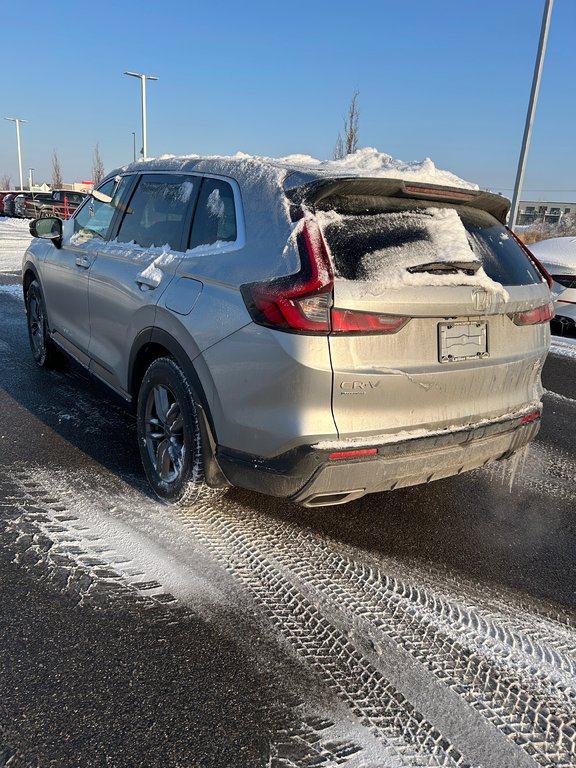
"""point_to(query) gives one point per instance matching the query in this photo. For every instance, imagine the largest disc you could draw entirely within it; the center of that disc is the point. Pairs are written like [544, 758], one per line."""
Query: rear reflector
[534, 316]
[353, 454]
[531, 417]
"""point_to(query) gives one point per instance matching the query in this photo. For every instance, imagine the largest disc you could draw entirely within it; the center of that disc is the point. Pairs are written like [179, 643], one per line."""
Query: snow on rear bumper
[417, 461]
[309, 475]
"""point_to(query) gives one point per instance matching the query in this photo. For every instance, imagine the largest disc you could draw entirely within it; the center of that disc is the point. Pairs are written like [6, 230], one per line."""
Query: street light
[134, 144]
[30, 179]
[18, 120]
[530, 115]
[143, 79]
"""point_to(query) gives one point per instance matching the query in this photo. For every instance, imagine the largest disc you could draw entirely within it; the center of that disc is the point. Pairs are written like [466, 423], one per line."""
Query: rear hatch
[460, 330]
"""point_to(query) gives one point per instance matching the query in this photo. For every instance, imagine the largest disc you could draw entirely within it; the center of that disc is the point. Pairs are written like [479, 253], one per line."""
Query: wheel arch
[148, 346]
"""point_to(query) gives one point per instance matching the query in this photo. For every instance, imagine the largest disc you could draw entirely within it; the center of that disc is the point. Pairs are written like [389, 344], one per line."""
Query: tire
[45, 354]
[169, 435]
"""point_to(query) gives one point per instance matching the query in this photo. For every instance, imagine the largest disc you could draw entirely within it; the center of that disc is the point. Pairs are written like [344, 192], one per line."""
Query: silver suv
[307, 335]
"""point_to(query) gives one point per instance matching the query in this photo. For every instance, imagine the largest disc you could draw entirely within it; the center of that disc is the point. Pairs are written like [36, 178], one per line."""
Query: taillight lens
[349, 321]
[302, 303]
[534, 316]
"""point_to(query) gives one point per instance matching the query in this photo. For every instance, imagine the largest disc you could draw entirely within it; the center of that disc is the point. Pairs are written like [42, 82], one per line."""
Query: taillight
[302, 303]
[351, 321]
[543, 271]
[299, 302]
[533, 316]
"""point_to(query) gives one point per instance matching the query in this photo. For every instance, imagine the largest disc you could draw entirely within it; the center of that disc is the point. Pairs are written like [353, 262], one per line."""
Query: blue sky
[446, 79]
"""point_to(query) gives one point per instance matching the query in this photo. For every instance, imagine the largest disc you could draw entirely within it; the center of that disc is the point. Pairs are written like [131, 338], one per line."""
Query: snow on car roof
[556, 250]
[367, 162]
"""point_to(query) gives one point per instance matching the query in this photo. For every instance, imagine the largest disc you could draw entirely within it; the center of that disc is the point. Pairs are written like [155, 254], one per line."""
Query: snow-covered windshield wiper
[447, 267]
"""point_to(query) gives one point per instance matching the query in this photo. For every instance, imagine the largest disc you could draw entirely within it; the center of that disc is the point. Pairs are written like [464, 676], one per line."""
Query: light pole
[18, 120]
[134, 144]
[30, 179]
[143, 79]
[530, 115]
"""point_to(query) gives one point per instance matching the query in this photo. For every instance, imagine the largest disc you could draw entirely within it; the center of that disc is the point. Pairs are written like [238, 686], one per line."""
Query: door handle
[83, 262]
[150, 281]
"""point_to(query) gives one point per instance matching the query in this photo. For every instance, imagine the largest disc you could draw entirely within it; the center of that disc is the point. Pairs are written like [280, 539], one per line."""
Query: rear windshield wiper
[447, 267]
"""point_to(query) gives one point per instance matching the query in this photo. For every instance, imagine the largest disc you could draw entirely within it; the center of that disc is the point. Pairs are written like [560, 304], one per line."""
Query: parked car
[61, 203]
[558, 257]
[3, 194]
[27, 205]
[8, 201]
[307, 335]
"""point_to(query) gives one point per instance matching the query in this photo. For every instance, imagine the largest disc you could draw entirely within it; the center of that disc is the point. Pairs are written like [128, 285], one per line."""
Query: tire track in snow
[64, 549]
[309, 584]
[535, 710]
[404, 737]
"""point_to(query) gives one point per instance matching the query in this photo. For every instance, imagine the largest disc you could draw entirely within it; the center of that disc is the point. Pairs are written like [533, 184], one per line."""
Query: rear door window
[400, 235]
[160, 207]
[215, 217]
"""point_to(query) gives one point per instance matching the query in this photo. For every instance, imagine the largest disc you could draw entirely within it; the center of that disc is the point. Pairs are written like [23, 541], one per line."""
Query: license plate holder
[462, 341]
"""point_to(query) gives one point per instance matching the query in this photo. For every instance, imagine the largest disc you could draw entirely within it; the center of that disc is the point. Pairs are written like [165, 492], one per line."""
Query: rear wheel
[46, 355]
[169, 435]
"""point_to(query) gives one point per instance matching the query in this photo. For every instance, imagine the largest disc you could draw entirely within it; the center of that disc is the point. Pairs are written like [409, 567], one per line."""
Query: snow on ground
[14, 239]
[562, 345]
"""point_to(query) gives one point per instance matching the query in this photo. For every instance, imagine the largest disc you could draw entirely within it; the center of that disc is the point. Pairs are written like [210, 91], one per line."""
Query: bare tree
[5, 181]
[349, 144]
[97, 166]
[56, 172]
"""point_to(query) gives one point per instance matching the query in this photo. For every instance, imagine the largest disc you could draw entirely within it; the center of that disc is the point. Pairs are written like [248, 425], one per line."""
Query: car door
[66, 274]
[131, 273]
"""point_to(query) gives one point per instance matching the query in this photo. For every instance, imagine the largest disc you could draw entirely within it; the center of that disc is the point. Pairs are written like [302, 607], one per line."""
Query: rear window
[396, 234]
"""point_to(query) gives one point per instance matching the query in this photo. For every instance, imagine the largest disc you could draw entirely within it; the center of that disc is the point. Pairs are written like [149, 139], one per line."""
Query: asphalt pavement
[427, 626]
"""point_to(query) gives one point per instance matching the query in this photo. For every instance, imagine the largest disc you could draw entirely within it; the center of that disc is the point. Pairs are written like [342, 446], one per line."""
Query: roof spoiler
[313, 192]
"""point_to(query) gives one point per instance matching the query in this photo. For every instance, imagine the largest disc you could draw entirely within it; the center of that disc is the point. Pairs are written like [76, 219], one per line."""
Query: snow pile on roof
[371, 162]
[365, 162]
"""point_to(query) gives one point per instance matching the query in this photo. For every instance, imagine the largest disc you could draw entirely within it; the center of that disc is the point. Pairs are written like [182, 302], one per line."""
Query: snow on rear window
[384, 246]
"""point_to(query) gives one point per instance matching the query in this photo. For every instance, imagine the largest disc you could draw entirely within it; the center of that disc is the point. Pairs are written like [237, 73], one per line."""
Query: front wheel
[45, 353]
[169, 435]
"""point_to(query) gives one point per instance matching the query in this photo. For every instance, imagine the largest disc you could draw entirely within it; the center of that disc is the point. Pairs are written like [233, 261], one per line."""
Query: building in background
[538, 211]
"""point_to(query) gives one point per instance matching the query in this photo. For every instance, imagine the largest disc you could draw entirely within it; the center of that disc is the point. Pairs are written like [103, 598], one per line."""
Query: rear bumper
[308, 475]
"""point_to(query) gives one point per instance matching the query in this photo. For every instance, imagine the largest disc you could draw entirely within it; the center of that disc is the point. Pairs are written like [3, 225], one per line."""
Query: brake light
[431, 192]
[302, 303]
[350, 321]
[533, 316]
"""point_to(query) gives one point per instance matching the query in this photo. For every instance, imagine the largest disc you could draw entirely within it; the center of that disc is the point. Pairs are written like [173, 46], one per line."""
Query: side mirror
[47, 228]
